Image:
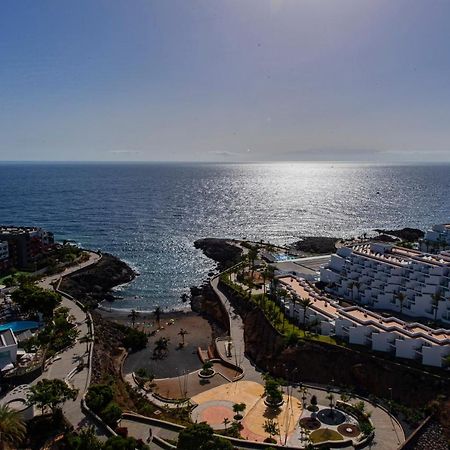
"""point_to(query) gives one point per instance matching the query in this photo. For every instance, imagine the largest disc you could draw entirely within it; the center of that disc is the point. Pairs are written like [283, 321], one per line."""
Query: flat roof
[7, 338]
[305, 290]
[361, 316]
[392, 324]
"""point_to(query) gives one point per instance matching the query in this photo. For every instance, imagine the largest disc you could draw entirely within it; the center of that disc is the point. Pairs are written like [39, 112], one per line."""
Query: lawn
[325, 434]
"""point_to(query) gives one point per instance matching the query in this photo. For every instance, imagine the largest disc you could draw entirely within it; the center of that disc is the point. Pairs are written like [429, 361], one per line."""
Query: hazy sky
[225, 80]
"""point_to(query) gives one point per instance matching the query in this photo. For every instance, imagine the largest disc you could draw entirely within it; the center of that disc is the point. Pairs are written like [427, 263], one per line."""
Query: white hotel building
[436, 239]
[374, 274]
[361, 327]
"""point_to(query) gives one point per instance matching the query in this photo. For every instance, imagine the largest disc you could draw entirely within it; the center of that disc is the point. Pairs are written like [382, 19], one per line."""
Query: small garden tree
[50, 393]
[272, 429]
[239, 408]
[273, 391]
[207, 368]
[182, 333]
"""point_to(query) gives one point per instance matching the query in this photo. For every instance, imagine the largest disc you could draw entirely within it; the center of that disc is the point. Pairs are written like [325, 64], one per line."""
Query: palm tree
[226, 421]
[12, 428]
[305, 303]
[401, 297]
[436, 298]
[294, 300]
[252, 255]
[85, 340]
[133, 316]
[157, 314]
[161, 347]
[182, 333]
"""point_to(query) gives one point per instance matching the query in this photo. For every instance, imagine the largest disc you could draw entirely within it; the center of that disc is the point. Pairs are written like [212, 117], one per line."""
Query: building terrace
[363, 327]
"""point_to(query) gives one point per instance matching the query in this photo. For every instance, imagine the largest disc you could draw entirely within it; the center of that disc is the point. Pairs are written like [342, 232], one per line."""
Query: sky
[225, 80]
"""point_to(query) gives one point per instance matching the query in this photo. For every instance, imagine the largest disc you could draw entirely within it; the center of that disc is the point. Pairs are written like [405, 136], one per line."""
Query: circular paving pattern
[330, 416]
[309, 423]
[214, 415]
[349, 430]
[18, 405]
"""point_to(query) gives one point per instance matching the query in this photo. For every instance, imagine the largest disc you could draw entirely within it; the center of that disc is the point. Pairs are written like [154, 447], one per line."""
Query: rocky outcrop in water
[220, 250]
[316, 244]
[93, 284]
[405, 234]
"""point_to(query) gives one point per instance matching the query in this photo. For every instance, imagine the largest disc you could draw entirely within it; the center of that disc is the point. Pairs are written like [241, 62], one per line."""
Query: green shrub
[135, 339]
[98, 396]
[111, 414]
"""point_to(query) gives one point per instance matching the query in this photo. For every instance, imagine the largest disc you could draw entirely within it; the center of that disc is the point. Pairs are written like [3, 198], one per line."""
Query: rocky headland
[93, 284]
[404, 234]
[316, 244]
[222, 251]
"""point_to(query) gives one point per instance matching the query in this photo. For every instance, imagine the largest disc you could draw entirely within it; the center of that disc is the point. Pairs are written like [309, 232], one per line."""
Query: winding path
[388, 432]
[63, 366]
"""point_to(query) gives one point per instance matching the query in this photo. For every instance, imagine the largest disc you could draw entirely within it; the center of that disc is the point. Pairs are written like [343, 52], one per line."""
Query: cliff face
[94, 283]
[204, 302]
[321, 363]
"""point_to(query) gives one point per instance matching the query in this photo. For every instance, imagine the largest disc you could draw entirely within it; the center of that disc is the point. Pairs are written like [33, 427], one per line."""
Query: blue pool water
[21, 325]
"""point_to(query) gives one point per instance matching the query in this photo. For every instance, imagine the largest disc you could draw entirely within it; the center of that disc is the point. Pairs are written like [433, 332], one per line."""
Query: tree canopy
[50, 393]
[200, 436]
[34, 299]
[98, 396]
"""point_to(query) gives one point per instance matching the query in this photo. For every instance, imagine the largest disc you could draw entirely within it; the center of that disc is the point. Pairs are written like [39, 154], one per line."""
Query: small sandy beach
[178, 360]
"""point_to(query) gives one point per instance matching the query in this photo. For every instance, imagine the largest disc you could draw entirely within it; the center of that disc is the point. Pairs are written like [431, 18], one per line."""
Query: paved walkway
[64, 365]
[388, 433]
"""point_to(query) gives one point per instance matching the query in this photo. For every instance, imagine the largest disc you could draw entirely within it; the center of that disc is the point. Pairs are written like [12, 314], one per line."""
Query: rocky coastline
[223, 251]
[94, 284]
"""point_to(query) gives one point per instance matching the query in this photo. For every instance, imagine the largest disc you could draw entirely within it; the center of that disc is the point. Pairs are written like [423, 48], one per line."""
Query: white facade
[378, 274]
[436, 239]
[4, 250]
[359, 326]
[8, 348]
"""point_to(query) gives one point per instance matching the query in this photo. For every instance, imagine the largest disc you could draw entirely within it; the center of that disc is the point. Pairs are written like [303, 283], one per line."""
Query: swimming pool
[20, 325]
[281, 257]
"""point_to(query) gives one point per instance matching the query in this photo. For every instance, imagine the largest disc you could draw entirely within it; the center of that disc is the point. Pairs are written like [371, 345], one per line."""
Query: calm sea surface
[150, 214]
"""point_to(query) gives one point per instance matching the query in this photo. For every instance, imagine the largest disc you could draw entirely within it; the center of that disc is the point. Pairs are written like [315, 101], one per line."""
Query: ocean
[149, 214]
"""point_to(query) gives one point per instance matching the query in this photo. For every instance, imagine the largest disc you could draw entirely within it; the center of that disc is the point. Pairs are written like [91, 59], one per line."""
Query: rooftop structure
[8, 348]
[362, 327]
[388, 277]
[436, 239]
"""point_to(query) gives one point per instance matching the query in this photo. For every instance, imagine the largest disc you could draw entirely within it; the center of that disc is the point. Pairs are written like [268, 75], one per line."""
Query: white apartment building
[387, 277]
[8, 348]
[362, 327]
[436, 239]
